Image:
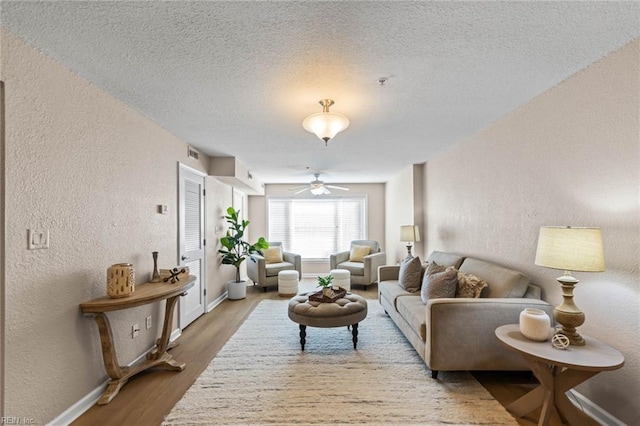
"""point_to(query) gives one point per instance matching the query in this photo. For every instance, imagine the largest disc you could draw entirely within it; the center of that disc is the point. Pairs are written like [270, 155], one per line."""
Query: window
[316, 227]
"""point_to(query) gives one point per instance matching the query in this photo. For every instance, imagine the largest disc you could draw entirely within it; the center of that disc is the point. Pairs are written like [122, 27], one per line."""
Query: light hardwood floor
[147, 398]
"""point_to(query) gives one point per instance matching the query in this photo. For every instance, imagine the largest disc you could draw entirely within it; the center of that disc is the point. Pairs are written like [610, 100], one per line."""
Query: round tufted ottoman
[348, 311]
[287, 283]
[341, 278]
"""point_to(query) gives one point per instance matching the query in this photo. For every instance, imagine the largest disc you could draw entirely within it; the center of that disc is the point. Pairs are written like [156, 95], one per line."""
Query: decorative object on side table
[121, 281]
[409, 234]
[560, 341]
[235, 250]
[535, 324]
[570, 249]
[174, 275]
[155, 278]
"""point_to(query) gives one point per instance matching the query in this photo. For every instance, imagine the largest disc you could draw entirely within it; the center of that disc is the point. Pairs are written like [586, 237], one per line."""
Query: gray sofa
[453, 334]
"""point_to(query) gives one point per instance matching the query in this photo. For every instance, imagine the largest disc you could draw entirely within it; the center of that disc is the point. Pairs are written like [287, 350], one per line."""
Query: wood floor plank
[147, 398]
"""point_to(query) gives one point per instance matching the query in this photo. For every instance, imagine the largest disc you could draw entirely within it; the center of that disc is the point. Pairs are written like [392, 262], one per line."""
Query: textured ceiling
[238, 78]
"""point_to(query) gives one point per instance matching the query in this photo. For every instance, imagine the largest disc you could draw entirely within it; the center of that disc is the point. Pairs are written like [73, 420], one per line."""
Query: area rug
[262, 377]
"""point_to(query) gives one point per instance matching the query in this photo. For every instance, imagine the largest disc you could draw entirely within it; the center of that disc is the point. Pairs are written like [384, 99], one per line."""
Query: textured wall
[571, 156]
[91, 170]
[399, 211]
[375, 204]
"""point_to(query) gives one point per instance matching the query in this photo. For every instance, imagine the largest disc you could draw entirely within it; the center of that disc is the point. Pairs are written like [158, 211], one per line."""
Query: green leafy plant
[234, 249]
[325, 282]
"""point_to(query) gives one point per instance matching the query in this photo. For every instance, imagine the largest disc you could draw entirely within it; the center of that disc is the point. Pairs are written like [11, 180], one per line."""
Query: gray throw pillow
[439, 282]
[409, 276]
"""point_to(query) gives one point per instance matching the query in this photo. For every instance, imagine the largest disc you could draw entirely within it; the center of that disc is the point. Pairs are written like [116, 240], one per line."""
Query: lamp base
[567, 314]
[409, 255]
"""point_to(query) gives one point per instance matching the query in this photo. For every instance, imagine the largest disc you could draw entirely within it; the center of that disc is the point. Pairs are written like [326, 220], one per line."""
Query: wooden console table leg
[160, 354]
[119, 375]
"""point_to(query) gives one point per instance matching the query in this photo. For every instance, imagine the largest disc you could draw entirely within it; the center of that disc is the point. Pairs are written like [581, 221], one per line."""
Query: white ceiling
[238, 78]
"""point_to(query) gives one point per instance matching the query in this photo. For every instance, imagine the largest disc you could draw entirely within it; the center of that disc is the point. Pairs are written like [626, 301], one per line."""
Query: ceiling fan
[317, 187]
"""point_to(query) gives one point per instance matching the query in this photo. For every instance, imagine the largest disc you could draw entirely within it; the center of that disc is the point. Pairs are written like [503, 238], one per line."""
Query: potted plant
[325, 283]
[235, 250]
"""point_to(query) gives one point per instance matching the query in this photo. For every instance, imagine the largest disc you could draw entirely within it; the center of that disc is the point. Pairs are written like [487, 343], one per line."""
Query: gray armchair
[365, 272]
[266, 274]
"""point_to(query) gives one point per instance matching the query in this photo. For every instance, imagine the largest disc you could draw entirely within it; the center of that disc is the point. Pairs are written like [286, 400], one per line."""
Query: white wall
[375, 203]
[90, 170]
[571, 156]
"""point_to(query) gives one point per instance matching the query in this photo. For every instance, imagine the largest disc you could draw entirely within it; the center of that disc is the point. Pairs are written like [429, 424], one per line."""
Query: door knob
[184, 257]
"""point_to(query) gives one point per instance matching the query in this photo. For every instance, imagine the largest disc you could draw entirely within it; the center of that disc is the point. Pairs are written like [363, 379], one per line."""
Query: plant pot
[236, 290]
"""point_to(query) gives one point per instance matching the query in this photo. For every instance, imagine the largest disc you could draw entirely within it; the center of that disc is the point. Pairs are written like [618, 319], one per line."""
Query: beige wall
[90, 170]
[375, 203]
[404, 206]
[571, 156]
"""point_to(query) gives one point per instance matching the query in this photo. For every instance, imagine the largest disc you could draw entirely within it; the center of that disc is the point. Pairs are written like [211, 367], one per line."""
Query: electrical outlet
[135, 331]
[149, 322]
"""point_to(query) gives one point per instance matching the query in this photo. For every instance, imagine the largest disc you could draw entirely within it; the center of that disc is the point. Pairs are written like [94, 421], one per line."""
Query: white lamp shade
[410, 233]
[570, 249]
[325, 125]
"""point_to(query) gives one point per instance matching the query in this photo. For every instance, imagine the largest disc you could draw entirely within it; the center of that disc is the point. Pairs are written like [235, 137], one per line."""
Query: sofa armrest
[256, 269]
[335, 259]
[371, 264]
[388, 273]
[296, 259]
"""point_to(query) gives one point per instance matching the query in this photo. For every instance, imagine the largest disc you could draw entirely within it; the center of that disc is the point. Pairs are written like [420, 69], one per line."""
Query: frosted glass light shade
[570, 249]
[325, 125]
[410, 233]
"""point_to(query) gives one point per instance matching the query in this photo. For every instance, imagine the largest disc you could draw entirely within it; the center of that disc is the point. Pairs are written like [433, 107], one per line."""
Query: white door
[191, 192]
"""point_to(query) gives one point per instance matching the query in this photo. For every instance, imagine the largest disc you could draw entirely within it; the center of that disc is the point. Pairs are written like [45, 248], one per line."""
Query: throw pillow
[409, 275]
[439, 282]
[358, 253]
[273, 254]
[470, 285]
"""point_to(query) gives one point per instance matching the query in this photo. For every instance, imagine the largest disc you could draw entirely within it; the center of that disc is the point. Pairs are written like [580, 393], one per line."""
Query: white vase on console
[535, 324]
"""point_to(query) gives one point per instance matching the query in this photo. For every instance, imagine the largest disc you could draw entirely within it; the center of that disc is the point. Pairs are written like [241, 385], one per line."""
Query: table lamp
[409, 234]
[570, 249]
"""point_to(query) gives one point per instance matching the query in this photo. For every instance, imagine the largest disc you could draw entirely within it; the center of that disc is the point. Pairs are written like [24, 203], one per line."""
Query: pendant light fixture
[325, 124]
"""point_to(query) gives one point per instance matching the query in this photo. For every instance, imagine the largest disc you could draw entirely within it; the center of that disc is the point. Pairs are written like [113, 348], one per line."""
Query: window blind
[318, 227]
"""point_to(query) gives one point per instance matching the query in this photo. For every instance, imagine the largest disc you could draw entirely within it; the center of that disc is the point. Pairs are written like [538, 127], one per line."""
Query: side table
[558, 371]
[144, 294]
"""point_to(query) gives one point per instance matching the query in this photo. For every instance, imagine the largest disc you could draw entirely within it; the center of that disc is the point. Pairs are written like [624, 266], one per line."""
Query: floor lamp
[570, 249]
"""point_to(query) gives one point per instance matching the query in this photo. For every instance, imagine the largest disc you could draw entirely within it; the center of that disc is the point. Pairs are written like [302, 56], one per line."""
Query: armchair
[363, 272]
[265, 273]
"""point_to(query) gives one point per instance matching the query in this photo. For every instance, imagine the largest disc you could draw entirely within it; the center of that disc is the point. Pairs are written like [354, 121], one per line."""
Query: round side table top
[593, 356]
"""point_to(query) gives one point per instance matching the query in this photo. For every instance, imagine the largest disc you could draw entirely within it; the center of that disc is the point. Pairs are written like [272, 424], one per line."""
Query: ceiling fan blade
[302, 190]
[325, 191]
[337, 187]
[298, 187]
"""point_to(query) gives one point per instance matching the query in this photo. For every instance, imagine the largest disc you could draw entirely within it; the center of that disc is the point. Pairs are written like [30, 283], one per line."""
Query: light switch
[38, 239]
[163, 209]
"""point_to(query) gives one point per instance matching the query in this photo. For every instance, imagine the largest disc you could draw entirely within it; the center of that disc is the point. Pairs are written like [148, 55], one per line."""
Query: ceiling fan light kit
[325, 124]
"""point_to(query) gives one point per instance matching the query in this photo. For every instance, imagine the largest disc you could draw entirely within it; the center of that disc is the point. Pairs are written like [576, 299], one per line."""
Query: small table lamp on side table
[409, 234]
[558, 371]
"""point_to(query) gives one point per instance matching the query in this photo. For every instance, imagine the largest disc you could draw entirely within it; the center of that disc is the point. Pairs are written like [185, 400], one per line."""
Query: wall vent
[192, 153]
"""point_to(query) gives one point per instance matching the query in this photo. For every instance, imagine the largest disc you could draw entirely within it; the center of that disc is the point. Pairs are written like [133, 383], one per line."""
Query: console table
[558, 371]
[143, 294]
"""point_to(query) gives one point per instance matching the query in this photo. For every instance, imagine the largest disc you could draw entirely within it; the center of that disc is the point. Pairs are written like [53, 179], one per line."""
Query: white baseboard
[211, 306]
[89, 400]
[594, 411]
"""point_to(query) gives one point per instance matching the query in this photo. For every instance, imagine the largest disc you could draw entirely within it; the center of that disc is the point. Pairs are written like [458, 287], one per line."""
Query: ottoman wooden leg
[303, 334]
[354, 332]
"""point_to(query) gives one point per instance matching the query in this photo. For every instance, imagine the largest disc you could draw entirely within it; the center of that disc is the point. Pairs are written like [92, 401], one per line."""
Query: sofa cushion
[358, 253]
[414, 312]
[439, 282]
[355, 268]
[391, 291]
[469, 285]
[272, 269]
[503, 282]
[273, 254]
[446, 259]
[409, 275]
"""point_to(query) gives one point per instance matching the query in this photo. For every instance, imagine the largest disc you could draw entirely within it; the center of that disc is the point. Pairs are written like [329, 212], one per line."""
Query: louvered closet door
[191, 242]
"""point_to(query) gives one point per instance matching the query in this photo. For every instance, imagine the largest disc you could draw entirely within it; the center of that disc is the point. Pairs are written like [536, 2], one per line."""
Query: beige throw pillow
[358, 253]
[409, 276]
[439, 282]
[273, 254]
[470, 285]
